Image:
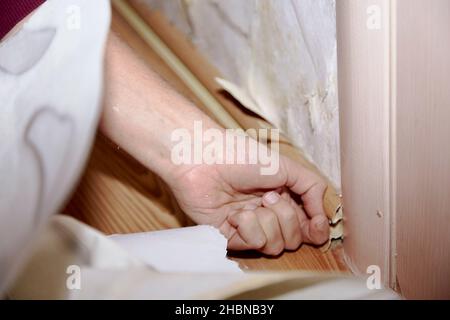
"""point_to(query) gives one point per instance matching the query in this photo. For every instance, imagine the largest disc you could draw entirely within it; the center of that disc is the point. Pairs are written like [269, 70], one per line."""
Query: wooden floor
[118, 195]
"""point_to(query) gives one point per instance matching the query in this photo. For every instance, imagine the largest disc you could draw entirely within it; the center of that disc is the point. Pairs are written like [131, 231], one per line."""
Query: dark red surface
[13, 11]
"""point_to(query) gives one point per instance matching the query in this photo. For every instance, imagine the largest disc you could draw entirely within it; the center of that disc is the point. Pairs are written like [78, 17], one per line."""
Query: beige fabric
[51, 75]
[108, 272]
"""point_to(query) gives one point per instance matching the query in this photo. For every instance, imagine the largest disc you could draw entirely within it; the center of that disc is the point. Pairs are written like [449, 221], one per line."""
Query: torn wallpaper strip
[193, 249]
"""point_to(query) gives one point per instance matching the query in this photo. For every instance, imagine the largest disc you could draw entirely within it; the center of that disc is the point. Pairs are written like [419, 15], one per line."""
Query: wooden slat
[364, 106]
[305, 258]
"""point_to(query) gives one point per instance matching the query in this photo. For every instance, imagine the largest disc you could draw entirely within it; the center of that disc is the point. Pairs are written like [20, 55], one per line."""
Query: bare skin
[252, 210]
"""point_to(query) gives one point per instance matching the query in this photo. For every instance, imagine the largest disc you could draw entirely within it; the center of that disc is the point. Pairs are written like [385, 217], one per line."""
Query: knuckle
[271, 218]
[319, 238]
[322, 185]
[246, 217]
[266, 216]
[278, 248]
[294, 243]
[322, 239]
[258, 243]
[288, 214]
[274, 249]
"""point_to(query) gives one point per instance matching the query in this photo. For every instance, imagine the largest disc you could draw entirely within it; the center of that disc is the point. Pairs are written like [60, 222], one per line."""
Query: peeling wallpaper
[282, 54]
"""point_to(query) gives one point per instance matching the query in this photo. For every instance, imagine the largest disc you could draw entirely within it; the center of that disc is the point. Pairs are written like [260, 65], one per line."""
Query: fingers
[269, 222]
[287, 218]
[308, 185]
[249, 233]
[311, 188]
[280, 224]
[316, 230]
[256, 230]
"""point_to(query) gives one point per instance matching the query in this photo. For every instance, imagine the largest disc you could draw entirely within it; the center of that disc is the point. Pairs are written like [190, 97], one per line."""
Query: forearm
[141, 111]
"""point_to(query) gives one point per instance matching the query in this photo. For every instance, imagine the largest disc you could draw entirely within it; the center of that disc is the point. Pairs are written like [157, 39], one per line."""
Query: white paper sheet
[194, 249]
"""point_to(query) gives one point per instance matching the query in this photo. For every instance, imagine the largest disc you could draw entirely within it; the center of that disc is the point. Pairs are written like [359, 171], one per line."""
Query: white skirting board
[394, 97]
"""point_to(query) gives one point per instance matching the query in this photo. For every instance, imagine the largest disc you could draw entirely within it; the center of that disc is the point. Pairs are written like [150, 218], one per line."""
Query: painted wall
[282, 54]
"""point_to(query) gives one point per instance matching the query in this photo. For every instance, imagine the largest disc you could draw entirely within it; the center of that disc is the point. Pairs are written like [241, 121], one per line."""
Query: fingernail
[272, 197]
[322, 223]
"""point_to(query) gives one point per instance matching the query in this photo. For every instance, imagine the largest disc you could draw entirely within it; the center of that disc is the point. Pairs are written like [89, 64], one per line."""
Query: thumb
[310, 186]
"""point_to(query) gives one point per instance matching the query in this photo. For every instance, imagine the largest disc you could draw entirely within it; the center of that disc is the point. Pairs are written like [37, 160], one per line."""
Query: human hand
[253, 211]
